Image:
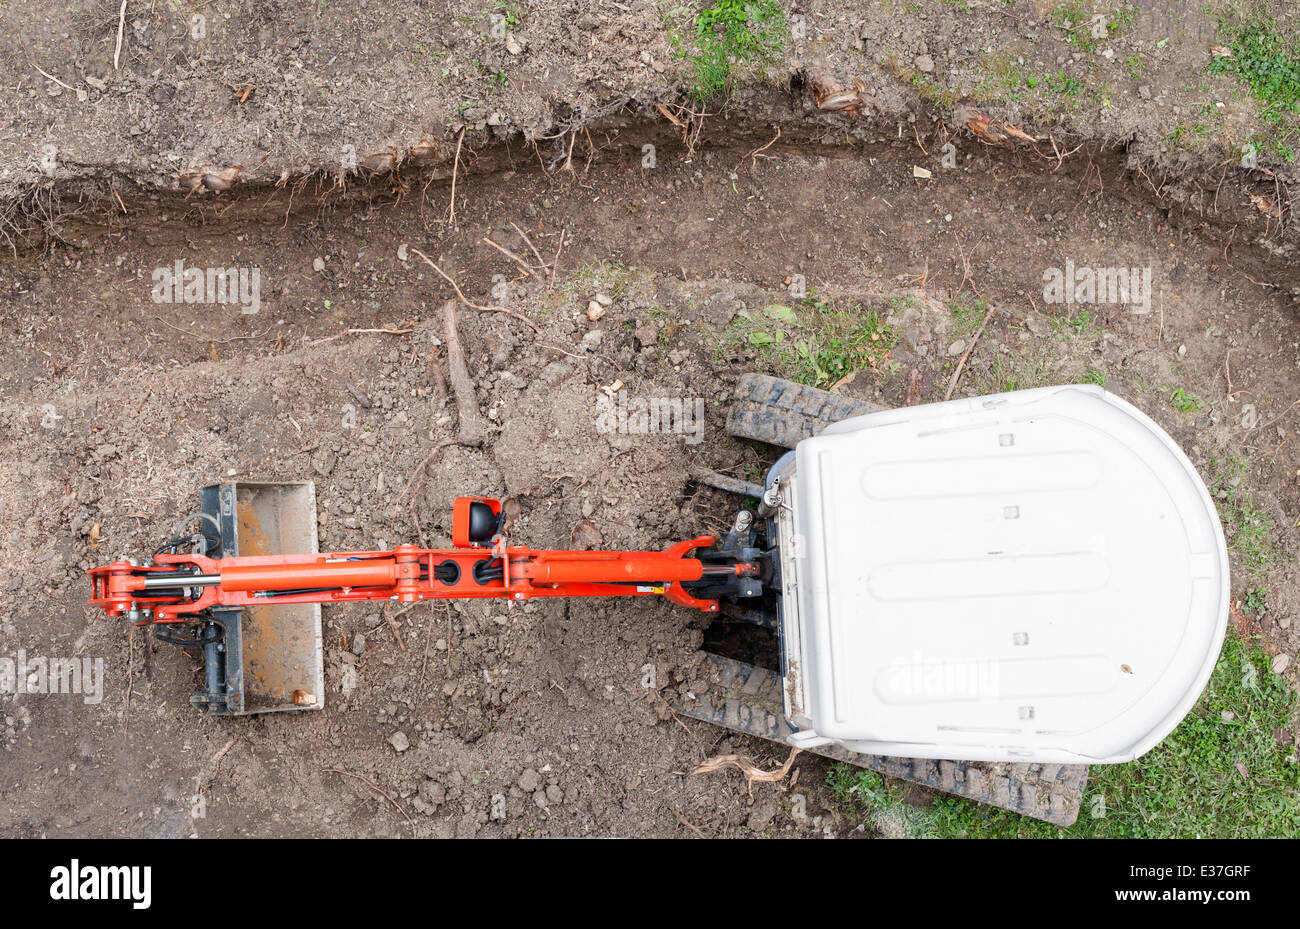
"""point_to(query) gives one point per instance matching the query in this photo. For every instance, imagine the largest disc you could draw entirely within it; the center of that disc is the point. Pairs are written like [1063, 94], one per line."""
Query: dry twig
[961, 365]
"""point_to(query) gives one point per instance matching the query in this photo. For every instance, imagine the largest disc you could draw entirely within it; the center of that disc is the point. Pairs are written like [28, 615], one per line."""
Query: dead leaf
[1242, 769]
[1265, 205]
[1218, 51]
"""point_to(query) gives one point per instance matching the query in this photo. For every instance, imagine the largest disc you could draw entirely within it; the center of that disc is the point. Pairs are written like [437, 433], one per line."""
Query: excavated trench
[118, 406]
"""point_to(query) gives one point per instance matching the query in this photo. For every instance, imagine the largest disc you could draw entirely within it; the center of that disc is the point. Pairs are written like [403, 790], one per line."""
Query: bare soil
[116, 408]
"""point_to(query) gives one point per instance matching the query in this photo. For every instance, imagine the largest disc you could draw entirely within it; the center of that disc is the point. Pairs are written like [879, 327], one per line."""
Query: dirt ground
[116, 408]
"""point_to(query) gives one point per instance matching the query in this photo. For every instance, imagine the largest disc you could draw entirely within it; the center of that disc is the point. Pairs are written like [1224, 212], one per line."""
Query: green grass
[1184, 402]
[509, 15]
[727, 34]
[1079, 326]
[1187, 786]
[1268, 64]
[1095, 376]
[967, 316]
[1248, 528]
[814, 342]
[1007, 374]
[1075, 19]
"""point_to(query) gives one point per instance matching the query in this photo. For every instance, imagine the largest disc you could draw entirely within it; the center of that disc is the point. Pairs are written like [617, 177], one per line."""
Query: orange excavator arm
[174, 587]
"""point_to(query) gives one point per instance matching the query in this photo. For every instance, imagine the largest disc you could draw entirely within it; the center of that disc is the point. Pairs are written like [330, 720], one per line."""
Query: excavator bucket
[264, 658]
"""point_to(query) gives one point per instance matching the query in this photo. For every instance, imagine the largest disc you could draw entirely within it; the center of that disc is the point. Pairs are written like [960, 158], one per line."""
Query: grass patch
[1268, 64]
[1248, 528]
[1086, 28]
[1095, 376]
[967, 317]
[1184, 402]
[1006, 375]
[1188, 786]
[728, 34]
[1079, 326]
[815, 342]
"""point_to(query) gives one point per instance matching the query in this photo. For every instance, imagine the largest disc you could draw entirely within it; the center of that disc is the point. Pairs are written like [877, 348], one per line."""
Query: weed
[967, 316]
[1266, 63]
[1249, 528]
[815, 342]
[1080, 325]
[1184, 402]
[728, 33]
[1095, 376]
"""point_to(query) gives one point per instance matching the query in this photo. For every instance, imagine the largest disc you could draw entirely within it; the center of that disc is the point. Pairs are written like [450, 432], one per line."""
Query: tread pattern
[780, 412]
[748, 699]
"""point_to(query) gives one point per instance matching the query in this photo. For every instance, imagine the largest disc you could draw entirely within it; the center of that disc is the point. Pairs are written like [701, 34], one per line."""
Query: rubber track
[748, 699]
[779, 412]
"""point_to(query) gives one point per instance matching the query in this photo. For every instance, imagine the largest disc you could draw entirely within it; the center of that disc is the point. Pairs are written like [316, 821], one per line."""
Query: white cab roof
[1032, 576]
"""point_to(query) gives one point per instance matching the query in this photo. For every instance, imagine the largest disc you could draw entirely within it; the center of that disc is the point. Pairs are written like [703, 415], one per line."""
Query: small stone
[1228, 716]
[359, 643]
[529, 781]
[595, 311]
[1144, 91]
[399, 741]
[593, 339]
[318, 264]
[349, 678]
[1280, 663]
[956, 348]
[924, 63]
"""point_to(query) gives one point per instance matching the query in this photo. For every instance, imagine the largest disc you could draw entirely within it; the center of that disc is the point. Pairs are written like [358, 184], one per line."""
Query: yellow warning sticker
[641, 589]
